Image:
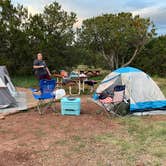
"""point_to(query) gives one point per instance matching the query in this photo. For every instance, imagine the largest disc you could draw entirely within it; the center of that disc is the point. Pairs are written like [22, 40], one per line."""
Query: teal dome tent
[142, 92]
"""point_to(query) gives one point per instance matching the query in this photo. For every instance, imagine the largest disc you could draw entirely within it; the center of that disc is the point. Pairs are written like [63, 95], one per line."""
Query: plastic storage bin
[70, 106]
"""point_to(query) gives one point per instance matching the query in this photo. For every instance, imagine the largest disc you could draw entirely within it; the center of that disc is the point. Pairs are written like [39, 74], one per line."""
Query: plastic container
[70, 106]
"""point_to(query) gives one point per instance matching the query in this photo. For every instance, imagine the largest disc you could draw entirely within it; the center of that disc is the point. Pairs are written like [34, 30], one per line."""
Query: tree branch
[108, 58]
[131, 59]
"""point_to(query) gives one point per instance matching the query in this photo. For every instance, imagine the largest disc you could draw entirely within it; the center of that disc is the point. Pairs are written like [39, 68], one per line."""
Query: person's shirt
[40, 71]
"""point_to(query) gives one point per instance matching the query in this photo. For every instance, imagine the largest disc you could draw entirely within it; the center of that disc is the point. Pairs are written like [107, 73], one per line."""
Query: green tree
[22, 36]
[117, 37]
[152, 58]
[59, 27]
[14, 40]
[51, 33]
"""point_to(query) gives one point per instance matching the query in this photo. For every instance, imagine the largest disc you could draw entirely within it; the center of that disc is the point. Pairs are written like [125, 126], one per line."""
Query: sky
[155, 9]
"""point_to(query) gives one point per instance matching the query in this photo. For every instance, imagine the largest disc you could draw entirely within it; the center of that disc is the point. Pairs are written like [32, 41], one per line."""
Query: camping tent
[4, 75]
[11, 101]
[141, 90]
[7, 90]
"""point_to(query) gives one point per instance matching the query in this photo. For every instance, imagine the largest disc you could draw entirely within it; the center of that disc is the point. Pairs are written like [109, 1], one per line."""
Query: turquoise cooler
[70, 106]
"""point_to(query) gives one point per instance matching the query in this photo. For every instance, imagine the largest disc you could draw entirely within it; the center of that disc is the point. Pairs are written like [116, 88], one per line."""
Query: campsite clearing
[90, 139]
[93, 139]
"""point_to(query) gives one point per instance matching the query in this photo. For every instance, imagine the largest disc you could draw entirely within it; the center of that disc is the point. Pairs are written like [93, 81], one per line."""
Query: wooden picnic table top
[57, 76]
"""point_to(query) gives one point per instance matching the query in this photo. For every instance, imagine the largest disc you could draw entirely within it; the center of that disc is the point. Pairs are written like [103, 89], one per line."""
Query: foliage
[107, 41]
[152, 58]
[23, 36]
[13, 21]
[117, 37]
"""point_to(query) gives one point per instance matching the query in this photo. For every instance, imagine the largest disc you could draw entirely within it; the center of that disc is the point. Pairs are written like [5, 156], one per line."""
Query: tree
[51, 32]
[152, 58]
[22, 36]
[14, 40]
[59, 27]
[117, 37]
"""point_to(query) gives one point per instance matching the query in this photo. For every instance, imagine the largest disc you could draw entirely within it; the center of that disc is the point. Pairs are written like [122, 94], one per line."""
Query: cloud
[32, 10]
[157, 15]
[89, 8]
[155, 9]
[78, 23]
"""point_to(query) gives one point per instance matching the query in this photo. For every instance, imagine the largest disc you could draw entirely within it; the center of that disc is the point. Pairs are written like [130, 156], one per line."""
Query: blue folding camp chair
[45, 96]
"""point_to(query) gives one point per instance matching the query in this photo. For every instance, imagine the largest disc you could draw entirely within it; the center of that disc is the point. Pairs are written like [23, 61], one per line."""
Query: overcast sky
[155, 9]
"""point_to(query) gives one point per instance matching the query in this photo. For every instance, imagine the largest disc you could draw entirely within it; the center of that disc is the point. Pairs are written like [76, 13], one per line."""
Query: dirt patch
[15, 158]
[27, 138]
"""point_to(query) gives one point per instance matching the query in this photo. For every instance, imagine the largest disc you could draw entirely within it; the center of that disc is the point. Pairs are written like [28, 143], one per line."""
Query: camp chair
[45, 96]
[112, 104]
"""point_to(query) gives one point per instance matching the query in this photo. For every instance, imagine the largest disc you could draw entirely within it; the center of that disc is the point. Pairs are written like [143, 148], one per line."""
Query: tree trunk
[116, 62]
[109, 59]
[131, 59]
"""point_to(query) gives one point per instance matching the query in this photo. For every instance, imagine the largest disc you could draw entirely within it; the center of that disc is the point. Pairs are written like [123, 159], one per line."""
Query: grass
[137, 141]
[24, 81]
[162, 83]
[31, 81]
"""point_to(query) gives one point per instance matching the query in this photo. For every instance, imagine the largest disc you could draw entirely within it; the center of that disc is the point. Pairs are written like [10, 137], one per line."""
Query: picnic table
[78, 81]
[59, 79]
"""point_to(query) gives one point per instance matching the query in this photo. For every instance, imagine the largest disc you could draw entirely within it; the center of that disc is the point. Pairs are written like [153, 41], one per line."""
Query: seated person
[40, 68]
[64, 74]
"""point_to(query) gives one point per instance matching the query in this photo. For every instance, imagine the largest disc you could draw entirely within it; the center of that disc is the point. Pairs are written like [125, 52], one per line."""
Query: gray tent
[7, 90]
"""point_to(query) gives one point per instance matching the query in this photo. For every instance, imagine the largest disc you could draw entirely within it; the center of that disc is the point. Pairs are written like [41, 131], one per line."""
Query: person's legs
[47, 77]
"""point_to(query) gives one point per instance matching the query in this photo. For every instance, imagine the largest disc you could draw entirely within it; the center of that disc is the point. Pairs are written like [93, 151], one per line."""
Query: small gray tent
[11, 100]
[7, 90]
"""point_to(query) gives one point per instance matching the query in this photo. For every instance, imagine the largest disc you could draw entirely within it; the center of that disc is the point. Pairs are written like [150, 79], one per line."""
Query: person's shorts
[44, 77]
